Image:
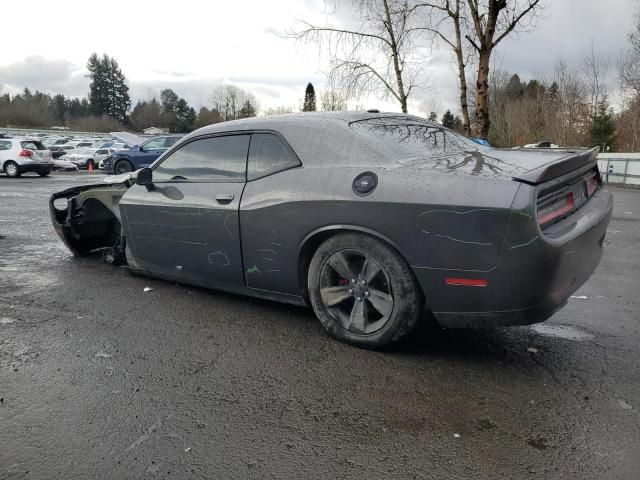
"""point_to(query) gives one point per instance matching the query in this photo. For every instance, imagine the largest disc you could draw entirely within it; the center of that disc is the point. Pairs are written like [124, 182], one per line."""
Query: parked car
[544, 144]
[139, 156]
[84, 157]
[18, 156]
[57, 151]
[64, 165]
[371, 219]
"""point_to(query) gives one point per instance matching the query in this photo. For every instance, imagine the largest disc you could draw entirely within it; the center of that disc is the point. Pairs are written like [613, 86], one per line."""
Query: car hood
[129, 139]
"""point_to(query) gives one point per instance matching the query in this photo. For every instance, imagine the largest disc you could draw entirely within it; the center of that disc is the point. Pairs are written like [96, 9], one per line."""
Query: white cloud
[195, 47]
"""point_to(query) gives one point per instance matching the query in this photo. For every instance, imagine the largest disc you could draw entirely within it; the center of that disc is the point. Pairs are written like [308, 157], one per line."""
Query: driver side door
[187, 226]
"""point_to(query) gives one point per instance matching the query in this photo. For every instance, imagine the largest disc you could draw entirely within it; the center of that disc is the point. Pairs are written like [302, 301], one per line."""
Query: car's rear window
[32, 145]
[405, 138]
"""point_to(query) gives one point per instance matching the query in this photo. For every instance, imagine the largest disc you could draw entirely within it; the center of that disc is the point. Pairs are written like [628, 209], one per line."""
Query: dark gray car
[373, 219]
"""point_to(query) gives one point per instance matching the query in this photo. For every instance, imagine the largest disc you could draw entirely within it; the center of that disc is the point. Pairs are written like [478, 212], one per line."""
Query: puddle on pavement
[562, 331]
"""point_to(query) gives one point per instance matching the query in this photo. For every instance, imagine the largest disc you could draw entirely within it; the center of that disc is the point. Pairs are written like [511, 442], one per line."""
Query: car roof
[318, 138]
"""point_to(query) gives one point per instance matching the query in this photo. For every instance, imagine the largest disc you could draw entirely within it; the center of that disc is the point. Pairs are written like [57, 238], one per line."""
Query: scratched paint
[219, 258]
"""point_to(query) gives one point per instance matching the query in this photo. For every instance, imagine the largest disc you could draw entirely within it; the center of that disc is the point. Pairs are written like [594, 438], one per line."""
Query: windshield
[32, 145]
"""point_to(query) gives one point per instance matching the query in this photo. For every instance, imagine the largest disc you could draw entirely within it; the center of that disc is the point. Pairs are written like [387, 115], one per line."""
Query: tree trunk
[463, 79]
[402, 96]
[482, 95]
[403, 103]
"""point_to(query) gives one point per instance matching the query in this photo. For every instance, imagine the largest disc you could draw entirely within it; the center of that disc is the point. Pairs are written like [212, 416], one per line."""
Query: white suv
[18, 156]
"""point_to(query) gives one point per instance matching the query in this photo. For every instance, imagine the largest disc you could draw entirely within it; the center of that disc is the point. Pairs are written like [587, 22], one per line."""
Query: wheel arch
[3, 164]
[314, 239]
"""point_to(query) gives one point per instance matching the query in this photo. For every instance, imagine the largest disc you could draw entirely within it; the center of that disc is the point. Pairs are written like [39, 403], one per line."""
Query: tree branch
[313, 29]
[532, 5]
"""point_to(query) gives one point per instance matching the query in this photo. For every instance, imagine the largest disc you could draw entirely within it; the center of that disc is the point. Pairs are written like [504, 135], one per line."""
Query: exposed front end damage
[87, 219]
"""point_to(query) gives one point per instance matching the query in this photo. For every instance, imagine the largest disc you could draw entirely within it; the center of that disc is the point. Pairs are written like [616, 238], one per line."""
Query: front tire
[362, 291]
[45, 173]
[12, 169]
[122, 166]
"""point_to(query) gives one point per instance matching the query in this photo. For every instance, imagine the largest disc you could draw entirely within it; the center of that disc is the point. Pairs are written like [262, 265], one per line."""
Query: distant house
[155, 131]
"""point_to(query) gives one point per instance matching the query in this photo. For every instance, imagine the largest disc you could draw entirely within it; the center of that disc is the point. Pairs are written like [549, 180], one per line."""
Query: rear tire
[122, 166]
[12, 169]
[362, 291]
[44, 174]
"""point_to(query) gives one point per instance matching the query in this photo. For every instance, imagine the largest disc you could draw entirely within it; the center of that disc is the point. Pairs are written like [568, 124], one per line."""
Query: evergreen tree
[185, 116]
[603, 128]
[433, 117]
[208, 117]
[514, 88]
[108, 91]
[58, 107]
[177, 115]
[146, 114]
[448, 119]
[248, 110]
[309, 99]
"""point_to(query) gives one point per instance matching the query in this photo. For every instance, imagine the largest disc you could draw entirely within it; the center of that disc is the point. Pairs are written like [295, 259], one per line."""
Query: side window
[268, 154]
[210, 159]
[170, 141]
[154, 144]
[5, 144]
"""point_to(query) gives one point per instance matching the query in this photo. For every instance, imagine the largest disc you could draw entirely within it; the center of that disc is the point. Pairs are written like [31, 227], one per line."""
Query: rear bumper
[535, 276]
[36, 167]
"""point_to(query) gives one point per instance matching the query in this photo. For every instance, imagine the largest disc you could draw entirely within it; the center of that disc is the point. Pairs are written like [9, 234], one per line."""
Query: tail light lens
[555, 208]
[592, 185]
[25, 153]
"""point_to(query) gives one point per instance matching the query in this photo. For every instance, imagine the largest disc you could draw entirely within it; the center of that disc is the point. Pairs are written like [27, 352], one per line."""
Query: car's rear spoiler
[574, 159]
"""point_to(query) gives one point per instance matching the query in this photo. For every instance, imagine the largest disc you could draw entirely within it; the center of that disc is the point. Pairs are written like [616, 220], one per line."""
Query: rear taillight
[592, 185]
[25, 153]
[555, 208]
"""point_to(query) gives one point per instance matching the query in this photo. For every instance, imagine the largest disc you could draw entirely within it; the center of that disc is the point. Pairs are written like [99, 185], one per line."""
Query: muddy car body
[371, 218]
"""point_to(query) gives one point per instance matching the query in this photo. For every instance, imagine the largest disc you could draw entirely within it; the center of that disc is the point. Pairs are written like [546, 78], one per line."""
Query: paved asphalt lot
[99, 379]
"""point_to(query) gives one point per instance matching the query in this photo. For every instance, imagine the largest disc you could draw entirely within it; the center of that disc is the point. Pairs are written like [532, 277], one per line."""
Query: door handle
[224, 197]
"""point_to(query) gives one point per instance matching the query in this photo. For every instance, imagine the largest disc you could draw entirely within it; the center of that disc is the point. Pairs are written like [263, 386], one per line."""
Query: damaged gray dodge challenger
[373, 219]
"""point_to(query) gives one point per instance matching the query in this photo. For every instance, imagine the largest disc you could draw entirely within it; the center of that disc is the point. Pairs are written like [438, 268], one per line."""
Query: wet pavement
[100, 379]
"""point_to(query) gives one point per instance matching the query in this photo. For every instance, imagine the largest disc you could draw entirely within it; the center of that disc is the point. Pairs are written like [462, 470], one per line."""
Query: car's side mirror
[144, 177]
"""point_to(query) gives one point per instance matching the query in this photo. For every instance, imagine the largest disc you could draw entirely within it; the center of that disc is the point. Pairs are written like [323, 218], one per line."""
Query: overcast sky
[192, 46]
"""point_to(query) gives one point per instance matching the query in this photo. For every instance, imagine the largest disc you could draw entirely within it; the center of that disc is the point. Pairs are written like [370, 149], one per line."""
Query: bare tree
[279, 110]
[492, 21]
[229, 101]
[629, 65]
[332, 99]
[594, 66]
[379, 55]
[447, 20]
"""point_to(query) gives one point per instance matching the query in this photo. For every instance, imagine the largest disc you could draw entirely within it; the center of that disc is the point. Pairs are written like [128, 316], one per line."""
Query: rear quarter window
[406, 138]
[269, 154]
